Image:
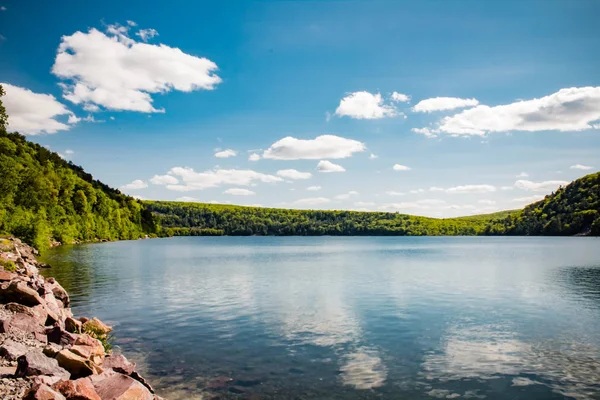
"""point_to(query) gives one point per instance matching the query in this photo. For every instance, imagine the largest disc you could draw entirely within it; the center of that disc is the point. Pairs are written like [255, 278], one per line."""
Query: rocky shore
[45, 352]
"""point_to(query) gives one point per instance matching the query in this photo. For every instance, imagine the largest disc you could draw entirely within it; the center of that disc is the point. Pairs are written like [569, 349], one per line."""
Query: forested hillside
[571, 210]
[44, 197]
[216, 219]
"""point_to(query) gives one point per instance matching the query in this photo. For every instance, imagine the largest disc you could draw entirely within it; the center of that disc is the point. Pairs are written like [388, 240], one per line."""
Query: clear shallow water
[356, 317]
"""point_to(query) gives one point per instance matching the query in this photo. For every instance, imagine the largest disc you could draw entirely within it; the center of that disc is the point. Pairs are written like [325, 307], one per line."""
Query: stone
[20, 322]
[34, 362]
[115, 386]
[39, 312]
[80, 389]
[135, 375]
[119, 363]
[43, 392]
[7, 371]
[95, 344]
[7, 276]
[84, 319]
[59, 336]
[52, 349]
[58, 291]
[19, 292]
[78, 366]
[73, 325]
[97, 326]
[12, 350]
[45, 380]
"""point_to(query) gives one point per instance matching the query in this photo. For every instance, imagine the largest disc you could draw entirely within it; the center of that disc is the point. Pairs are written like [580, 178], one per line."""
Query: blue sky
[489, 104]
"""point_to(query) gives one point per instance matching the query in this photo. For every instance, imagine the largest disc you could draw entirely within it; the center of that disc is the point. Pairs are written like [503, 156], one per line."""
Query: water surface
[348, 317]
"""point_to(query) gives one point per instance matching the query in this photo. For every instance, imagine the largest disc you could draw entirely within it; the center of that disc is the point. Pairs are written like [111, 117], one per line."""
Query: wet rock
[19, 292]
[78, 366]
[73, 325]
[12, 350]
[97, 326]
[34, 362]
[43, 392]
[119, 363]
[80, 389]
[112, 385]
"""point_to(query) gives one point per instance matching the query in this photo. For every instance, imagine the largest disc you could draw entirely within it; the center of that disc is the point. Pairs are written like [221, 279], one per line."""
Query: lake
[348, 317]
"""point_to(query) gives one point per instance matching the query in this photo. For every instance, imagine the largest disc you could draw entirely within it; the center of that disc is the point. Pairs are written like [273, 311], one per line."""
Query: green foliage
[216, 219]
[44, 198]
[8, 265]
[107, 339]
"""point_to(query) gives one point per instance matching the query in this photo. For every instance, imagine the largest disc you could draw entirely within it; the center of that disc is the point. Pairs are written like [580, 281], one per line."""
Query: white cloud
[254, 157]
[364, 203]
[393, 193]
[311, 201]
[399, 167]
[572, 109]
[193, 180]
[522, 175]
[116, 72]
[364, 105]
[400, 98]
[239, 192]
[324, 146]
[424, 204]
[187, 199]
[226, 153]
[373, 156]
[506, 188]
[427, 132]
[164, 180]
[529, 199]
[137, 184]
[92, 108]
[147, 34]
[32, 113]
[436, 189]
[131, 23]
[443, 103]
[487, 202]
[544, 186]
[313, 188]
[416, 191]
[471, 189]
[328, 166]
[69, 151]
[293, 174]
[346, 196]
[582, 167]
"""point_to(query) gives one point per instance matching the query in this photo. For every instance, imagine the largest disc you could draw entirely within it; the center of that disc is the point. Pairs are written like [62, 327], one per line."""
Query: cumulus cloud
[443, 103]
[193, 180]
[313, 188]
[116, 72]
[254, 157]
[293, 174]
[436, 189]
[147, 34]
[427, 132]
[544, 186]
[399, 97]
[399, 167]
[425, 204]
[135, 185]
[572, 109]
[31, 113]
[239, 192]
[365, 105]
[324, 146]
[311, 201]
[328, 166]
[226, 153]
[164, 180]
[471, 189]
[582, 167]
[346, 196]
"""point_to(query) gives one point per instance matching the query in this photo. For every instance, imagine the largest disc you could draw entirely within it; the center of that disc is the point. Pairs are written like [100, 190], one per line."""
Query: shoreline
[45, 351]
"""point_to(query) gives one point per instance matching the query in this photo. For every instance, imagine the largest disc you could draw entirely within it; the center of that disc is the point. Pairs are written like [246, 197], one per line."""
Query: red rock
[76, 365]
[97, 326]
[20, 322]
[73, 325]
[59, 336]
[114, 386]
[80, 389]
[34, 362]
[43, 392]
[19, 292]
[12, 350]
[7, 276]
[119, 363]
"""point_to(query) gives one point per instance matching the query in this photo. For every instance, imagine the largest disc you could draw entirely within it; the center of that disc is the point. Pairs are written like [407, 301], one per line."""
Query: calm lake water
[348, 317]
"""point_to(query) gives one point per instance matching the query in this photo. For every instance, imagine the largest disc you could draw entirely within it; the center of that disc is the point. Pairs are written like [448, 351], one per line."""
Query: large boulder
[72, 325]
[80, 389]
[20, 323]
[12, 350]
[52, 286]
[97, 326]
[19, 292]
[7, 276]
[119, 363]
[34, 362]
[43, 392]
[78, 366]
[115, 386]
[40, 312]
[59, 336]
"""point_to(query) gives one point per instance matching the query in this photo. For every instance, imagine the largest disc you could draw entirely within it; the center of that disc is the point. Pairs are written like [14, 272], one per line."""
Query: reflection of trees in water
[582, 282]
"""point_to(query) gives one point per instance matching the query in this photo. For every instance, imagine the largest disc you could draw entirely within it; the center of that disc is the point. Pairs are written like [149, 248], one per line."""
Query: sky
[436, 108]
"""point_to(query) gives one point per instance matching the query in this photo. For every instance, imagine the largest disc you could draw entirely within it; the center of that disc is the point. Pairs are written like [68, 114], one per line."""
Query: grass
[8, 265]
